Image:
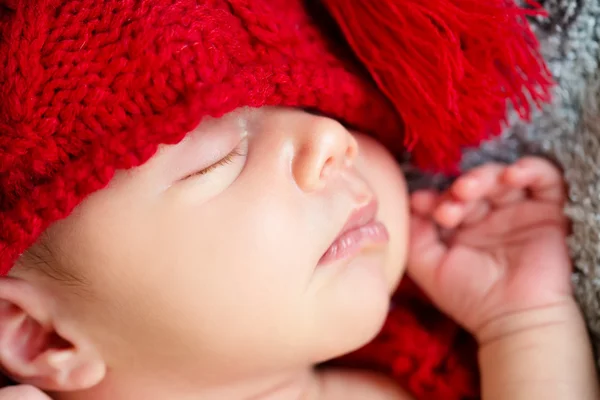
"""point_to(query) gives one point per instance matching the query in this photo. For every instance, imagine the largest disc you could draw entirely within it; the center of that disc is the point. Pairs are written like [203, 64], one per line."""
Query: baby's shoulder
[342, 384]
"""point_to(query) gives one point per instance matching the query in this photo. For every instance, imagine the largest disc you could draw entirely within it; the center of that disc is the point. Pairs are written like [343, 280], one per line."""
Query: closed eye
[236, 152]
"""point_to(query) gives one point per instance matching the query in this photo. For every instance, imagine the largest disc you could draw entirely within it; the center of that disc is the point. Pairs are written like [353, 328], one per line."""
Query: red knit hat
[88, 87]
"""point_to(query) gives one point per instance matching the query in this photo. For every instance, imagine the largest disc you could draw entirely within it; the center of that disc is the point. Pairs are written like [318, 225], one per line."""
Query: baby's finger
[476, 213]
[487, 182]
[477, 183]
[426, 252]
[452, 214]
[449, 214]
[423, 202]
[542, 179]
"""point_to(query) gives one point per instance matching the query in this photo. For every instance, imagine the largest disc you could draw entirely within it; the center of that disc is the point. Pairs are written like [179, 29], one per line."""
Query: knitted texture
[88, 87]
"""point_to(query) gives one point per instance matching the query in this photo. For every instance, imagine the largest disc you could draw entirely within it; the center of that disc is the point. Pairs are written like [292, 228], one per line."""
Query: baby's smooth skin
[209, 272]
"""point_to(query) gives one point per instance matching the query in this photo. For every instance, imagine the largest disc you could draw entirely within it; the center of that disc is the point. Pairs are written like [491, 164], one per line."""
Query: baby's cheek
[394, 214]
[385, 177]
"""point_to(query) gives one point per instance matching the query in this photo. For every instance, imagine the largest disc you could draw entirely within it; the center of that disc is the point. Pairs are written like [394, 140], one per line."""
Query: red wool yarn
[448, 67]
[89, 87]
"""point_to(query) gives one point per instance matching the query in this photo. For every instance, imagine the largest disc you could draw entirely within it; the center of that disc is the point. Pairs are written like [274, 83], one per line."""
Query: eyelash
[228, 159]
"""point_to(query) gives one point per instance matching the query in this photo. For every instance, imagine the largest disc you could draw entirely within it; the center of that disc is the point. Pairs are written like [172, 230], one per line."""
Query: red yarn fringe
[449, 67]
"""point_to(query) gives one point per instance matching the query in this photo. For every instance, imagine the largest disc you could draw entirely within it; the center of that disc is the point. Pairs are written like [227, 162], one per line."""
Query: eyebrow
[41, 258]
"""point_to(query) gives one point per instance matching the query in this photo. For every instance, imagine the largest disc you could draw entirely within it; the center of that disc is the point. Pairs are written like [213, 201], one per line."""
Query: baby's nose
[324, 149]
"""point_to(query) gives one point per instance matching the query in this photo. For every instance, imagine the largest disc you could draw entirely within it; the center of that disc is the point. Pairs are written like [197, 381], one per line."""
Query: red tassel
[449, 67]
[9, 4]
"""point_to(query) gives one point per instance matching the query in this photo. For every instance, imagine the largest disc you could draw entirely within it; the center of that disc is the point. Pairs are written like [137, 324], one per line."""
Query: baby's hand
[493, 247]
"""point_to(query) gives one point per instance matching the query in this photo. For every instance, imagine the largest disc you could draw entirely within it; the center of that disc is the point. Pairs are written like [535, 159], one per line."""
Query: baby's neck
[296, 385]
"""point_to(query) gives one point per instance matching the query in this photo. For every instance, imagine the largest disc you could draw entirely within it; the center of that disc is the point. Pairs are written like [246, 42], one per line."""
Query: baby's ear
[39, 349]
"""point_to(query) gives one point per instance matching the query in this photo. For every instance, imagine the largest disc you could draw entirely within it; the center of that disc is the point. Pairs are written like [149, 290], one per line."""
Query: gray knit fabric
[568, 132]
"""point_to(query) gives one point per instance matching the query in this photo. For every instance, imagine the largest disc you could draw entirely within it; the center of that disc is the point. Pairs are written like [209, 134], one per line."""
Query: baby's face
[219, 256]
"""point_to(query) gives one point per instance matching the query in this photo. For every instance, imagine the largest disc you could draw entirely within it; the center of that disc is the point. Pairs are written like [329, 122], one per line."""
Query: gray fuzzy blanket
[569, 132]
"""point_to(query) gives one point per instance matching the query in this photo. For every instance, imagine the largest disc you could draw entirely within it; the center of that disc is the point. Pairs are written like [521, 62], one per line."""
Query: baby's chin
[351, 341]
[353, 309]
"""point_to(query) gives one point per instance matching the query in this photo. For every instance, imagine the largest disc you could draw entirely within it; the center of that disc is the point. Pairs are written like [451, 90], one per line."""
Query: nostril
[328, 165]
[351, 153]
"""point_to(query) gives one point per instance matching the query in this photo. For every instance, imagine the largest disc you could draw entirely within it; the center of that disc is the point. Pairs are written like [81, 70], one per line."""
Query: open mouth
[361, 230]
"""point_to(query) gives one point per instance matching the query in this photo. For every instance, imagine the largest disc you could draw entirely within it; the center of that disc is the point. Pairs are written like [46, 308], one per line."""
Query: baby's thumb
[442, 273]
[456, 279]
[425, 253]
